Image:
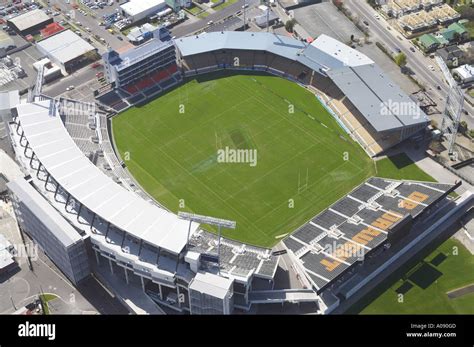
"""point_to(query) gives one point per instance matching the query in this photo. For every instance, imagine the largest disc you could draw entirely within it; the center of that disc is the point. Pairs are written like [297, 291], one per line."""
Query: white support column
[143, 283]
[126, 274]
[161, 292]
[111, 267]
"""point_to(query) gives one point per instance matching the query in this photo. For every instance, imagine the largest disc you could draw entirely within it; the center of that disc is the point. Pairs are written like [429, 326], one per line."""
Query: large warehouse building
[30, 22]
[136, 10]
[67, 50]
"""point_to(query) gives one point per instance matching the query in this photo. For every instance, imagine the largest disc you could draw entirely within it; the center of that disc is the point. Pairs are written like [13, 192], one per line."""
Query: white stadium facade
[84, 209]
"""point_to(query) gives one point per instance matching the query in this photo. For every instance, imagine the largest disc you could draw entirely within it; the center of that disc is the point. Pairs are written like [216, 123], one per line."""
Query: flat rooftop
[68, 165]
[135, 7]
[65, 46]
[29, 19]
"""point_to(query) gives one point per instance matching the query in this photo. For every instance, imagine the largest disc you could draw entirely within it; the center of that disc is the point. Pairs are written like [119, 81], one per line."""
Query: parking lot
[324, 18]
[87, 21]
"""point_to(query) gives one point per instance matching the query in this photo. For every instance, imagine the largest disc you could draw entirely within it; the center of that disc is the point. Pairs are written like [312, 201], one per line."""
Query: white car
[431, 67]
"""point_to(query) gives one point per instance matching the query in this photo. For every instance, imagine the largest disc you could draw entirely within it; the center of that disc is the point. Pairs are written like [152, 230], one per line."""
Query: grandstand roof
[362, 81]
[338, 52]
[340, 236]
[377, 97]
[65, 46]
[29, 19]
[50, 217]
[86, 183]
[260, 41]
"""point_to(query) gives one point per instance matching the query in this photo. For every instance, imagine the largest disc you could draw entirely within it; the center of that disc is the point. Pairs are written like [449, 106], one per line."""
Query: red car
[99, 74]
[96, 65]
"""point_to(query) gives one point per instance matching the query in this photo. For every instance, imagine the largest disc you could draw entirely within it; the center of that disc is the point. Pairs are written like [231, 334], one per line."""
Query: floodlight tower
[452, 115]
[220, 223]
[453, 108]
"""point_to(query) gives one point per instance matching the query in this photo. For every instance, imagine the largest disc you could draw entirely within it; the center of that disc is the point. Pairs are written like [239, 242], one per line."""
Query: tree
[401, 59]
[289, 25]
[457, 37]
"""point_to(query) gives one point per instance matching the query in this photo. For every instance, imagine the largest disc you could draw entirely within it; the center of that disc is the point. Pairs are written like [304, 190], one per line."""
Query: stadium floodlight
[220, 223]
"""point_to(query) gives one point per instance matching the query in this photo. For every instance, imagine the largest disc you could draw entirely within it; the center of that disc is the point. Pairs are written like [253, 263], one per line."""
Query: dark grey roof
[316, 243]
[377, 97]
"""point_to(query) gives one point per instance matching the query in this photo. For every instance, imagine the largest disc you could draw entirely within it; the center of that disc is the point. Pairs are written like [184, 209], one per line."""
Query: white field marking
[324, 125]
[281, 236]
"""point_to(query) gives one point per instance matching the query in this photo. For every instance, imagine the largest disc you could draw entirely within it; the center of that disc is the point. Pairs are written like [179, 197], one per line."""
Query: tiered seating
[160, 75]
[131, 88]
[145, 83]
[172, 69]
[362, 229]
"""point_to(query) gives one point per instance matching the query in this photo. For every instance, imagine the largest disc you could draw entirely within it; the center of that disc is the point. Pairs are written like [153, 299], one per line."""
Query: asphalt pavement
[186, 29]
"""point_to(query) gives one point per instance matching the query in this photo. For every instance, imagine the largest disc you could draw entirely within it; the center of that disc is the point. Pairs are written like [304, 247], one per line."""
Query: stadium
[88, 205]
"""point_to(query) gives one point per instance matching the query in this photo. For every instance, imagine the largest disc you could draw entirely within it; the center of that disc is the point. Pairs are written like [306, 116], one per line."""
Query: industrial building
[67, 50]
[29, 22]
[137, 10]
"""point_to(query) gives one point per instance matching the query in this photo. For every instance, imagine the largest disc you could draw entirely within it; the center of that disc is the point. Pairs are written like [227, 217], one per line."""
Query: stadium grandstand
[377, 214]
[340, 76]
[67, 152]
[64, 146]
[143, 71]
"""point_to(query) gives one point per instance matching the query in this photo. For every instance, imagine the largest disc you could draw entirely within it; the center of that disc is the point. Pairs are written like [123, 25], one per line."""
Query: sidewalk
[437, 171]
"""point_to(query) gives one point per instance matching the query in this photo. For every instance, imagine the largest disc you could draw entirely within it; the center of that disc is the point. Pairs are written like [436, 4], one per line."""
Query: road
[76, 79]
[417, 62]
[184, 30]
[92, 23]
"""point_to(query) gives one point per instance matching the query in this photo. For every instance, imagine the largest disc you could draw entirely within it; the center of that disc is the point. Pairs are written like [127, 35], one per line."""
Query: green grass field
[173, 155]
[425, 285]
[401, 167]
